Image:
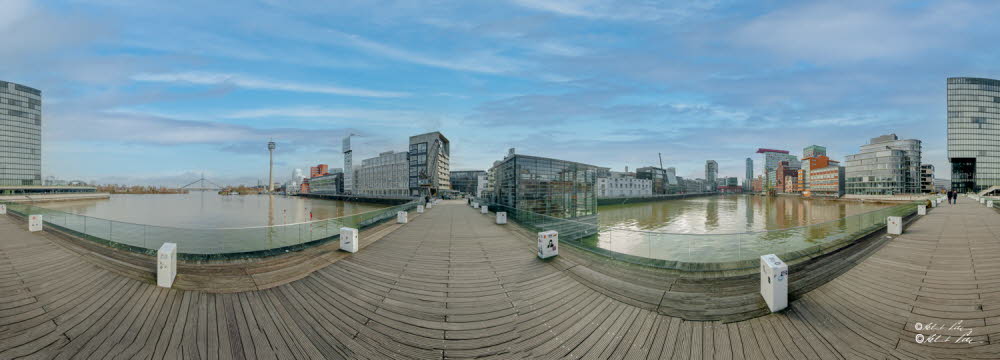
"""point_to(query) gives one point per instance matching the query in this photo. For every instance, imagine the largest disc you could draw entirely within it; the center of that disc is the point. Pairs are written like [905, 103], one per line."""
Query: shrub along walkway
[451, 284]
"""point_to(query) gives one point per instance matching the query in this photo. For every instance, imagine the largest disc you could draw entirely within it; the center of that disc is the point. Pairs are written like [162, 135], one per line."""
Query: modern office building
[557, 188]
[429, 164]
[771, 160]
[974, 133]
[813, 151]
[671, 176]
[656, 175]
[319, 170]
[786, 176]
[385, 175]
[619, 184]
[330, 184]
[748, 180]
[20, 135]
[827, 181]
[885, 166]
[712, 174]
[926, 178]
[466, 181]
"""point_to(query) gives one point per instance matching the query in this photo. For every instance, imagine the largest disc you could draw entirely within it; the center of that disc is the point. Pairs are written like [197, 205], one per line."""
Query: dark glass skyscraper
[20, 135]
[974, 133]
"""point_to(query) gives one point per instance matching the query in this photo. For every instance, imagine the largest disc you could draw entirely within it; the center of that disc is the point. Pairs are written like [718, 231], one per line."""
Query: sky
[160, 92]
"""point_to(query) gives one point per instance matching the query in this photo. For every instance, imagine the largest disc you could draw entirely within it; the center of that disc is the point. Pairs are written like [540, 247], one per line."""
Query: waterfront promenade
[452, 284]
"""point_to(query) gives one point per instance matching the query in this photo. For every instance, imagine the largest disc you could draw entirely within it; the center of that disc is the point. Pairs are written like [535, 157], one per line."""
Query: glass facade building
[656, 175]
[466, 181]
[385, 175]
[557, 188]
[20, 135]
[885, 166]
[974, 133]
[712, 174]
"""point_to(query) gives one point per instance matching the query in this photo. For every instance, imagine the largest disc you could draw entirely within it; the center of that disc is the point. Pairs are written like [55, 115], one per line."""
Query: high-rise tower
[974, 133]
[270, 170]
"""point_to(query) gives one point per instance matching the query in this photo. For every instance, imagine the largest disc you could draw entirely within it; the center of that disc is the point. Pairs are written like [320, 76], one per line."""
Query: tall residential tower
[748, 182]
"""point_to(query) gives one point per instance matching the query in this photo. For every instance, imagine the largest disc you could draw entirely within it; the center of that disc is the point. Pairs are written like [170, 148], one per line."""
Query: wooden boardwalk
[453, 285]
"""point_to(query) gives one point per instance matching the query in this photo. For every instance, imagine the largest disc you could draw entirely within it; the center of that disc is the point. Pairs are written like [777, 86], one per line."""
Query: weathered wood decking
[452, 284]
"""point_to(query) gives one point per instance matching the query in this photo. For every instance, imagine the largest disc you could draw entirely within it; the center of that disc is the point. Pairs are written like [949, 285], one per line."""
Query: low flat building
[331, 184]
[466, 181]
[621, 185]
[385, 175]
[552, 187]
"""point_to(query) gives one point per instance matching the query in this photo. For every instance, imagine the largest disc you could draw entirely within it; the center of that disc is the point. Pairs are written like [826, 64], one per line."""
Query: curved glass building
[20, 135]
[974, 133]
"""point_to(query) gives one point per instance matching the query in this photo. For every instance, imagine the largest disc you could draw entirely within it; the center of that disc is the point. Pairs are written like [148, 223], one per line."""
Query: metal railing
[205, 243]
[709, 252]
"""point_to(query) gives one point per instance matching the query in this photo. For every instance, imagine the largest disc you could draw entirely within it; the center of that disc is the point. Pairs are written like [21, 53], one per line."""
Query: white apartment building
[623, 185]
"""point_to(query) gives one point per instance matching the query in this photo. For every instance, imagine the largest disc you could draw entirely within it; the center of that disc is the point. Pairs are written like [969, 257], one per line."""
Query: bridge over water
[451, 284]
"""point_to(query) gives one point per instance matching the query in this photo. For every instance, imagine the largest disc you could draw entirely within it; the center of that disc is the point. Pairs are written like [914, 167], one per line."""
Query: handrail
[206, 243]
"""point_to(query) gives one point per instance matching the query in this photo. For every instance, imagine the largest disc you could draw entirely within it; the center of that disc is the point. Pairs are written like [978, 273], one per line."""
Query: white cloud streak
[249, 82]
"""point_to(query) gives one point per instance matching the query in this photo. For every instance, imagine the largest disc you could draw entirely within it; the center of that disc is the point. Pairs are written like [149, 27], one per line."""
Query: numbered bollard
[420, 209]
[401, 217]
[35, 222]
[349, 239]
[475, 205]
[921, 209]
[548, 244]
[166, 265]
[484, 209]
[982, 201]
[989, 203]
[774, 282]
[501, 217]
[894, 225]
[429, 206]
[3, 209]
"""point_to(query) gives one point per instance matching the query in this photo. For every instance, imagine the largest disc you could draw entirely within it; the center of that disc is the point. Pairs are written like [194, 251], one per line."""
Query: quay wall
[54, 197]
[361, 198]
[631, 200]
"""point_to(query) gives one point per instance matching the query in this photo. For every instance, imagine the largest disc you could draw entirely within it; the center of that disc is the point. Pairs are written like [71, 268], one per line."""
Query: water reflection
[730, 228]
[211, 210]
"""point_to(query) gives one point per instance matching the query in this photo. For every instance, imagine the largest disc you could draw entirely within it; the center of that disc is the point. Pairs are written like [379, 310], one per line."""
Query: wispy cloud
[618, 10]
[481, 61]
[249, 82]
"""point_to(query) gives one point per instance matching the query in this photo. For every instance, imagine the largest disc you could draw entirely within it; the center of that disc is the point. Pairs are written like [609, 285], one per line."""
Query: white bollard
[894, 225]
[475, 205]
[429, 206]
[982, 201]
[349, 239]
[484, 209]
[166, 265]
[921, 209]
[3, 209]
[35, 222]
[548, 244]
[401, 217]
[420, 209]
[774, 282]
[501, 217]
[989, 203]
[935, 203]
